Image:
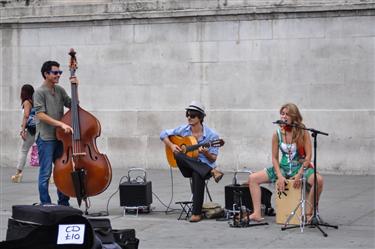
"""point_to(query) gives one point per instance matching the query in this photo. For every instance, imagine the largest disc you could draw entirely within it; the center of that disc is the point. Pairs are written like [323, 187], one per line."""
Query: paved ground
[347, 201]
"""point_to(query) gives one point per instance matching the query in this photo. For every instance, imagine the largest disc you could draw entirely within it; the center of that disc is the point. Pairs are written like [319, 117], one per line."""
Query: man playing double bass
[204, 166]
[49, 102]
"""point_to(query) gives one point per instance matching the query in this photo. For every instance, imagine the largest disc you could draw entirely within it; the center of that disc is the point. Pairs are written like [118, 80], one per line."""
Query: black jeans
[198, 172]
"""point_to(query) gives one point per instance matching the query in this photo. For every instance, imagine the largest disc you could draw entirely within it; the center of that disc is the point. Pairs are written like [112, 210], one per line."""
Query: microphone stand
[315, 219]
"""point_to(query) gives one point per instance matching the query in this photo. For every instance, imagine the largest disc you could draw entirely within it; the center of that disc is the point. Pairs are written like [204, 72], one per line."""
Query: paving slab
[347, 201]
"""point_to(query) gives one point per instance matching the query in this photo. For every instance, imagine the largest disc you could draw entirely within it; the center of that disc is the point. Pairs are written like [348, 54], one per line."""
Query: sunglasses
[55, 72]
[191, 115]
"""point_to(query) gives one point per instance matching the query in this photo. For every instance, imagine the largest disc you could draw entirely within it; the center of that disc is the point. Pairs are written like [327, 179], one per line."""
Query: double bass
[82, 171]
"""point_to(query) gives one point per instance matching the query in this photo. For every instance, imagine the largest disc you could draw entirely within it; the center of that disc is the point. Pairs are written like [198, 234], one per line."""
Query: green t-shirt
[53, 105]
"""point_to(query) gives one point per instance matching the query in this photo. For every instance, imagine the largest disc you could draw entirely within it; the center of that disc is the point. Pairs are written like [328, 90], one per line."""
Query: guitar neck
[196, 146]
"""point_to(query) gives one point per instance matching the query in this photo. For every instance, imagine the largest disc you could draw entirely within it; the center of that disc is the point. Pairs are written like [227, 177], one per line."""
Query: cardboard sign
[71, 234]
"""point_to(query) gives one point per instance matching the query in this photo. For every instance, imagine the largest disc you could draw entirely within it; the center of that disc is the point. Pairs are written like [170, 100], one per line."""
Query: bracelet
[308, 164]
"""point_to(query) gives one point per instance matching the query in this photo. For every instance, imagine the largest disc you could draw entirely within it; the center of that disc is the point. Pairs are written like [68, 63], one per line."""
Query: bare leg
[310, 198]
[254, 181]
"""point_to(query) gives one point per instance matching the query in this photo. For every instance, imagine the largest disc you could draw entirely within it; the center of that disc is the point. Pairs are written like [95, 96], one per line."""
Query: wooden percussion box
[286, 202]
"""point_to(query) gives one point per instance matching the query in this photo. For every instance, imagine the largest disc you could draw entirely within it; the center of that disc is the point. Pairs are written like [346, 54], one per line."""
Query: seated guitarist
[204, 166]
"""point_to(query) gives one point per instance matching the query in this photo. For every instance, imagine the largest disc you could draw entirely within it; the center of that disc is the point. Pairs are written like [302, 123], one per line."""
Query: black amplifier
[135, 194]
[243, 189]
[136, 191]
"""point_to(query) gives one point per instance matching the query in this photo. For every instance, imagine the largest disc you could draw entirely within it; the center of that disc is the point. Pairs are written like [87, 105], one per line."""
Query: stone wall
[142, 62]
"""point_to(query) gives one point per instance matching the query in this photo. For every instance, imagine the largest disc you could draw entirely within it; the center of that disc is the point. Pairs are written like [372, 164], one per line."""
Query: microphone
[279, 122]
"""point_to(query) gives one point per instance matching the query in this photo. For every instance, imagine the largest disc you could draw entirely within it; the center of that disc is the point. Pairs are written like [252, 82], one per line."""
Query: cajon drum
[286, 203]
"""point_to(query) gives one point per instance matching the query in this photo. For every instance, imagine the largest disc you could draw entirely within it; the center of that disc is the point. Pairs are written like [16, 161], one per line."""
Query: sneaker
[17, 178]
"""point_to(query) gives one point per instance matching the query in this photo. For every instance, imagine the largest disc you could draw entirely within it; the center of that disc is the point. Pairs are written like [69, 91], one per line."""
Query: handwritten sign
[71, 234]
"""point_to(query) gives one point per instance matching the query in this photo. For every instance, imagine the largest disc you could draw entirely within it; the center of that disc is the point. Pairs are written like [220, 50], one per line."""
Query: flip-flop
[256, 220]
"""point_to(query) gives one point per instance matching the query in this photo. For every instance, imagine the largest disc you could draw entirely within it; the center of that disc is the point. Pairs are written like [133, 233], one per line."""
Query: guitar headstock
[217, 143]
[73, 64]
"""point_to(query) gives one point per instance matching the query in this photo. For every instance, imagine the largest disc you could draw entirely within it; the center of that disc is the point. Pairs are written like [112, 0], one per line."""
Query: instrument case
[108, 236]
[26, 218]
[126, 238]
[22, 235]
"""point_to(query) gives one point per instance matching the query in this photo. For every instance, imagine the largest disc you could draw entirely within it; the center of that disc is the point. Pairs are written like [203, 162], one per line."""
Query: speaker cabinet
[230, 196]
[135, 194]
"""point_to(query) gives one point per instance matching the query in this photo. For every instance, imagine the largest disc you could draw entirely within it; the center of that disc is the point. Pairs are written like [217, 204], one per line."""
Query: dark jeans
[198, 172]
[48, 152]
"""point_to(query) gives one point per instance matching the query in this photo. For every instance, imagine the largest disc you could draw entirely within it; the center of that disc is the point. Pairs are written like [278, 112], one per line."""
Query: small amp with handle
[136, 192]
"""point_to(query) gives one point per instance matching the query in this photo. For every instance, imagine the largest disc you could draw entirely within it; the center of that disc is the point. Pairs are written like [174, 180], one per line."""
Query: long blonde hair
[294, 113]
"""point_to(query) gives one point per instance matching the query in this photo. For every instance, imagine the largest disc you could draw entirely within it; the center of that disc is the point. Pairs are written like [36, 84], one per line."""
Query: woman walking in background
[27, 132]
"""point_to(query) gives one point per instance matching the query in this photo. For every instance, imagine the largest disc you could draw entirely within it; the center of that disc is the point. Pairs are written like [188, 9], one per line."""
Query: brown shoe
[195, 218]
[217, 175]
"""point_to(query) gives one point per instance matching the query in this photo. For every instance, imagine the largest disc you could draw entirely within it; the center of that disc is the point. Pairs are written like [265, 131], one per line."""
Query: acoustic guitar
[189, 146]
